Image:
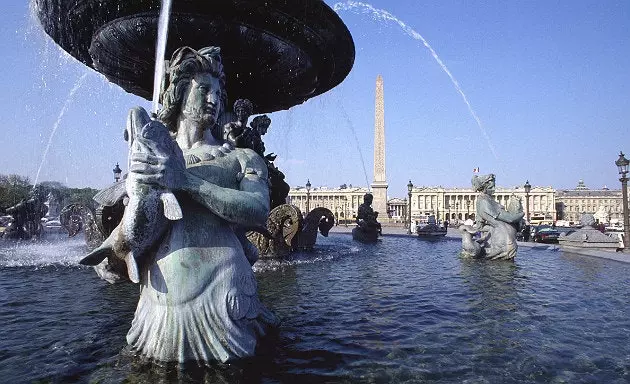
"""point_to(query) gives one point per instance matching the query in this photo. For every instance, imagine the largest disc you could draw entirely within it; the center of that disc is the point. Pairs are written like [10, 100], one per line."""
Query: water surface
[403, 310]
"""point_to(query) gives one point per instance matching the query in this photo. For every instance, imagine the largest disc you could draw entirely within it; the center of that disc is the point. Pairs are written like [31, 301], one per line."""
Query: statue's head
[243, 108]
[261, 124]
[367, 198]
[194, 87]
[484, 183]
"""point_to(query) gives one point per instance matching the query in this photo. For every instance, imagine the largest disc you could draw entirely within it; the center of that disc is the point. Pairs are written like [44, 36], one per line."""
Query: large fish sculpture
[149, 207]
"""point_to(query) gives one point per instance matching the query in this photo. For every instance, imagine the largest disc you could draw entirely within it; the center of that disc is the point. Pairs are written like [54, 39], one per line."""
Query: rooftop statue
[177, 236]
[497, 226]
[368, 228]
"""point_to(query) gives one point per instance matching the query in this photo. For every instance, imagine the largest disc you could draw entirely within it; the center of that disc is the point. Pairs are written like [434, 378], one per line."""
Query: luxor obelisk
[379, 185]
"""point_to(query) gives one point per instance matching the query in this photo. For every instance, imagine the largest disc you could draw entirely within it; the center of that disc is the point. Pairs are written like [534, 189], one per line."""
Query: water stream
[160, 51]
[380, 14]
[69, 99]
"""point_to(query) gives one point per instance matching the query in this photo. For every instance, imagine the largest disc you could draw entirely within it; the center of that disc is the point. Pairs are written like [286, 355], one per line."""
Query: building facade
[456, 204]
[605, 204]
[342, 202]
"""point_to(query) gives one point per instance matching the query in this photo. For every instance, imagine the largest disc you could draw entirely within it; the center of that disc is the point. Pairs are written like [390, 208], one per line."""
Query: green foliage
[14, 188]
[82, 196]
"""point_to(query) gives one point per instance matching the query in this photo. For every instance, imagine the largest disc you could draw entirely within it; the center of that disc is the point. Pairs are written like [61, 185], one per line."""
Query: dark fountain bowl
[277, 53]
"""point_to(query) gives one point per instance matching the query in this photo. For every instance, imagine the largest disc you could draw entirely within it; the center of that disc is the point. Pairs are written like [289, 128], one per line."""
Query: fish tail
[96, 256]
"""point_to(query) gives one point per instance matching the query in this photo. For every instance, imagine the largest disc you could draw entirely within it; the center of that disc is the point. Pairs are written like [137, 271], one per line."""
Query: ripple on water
[403, 310]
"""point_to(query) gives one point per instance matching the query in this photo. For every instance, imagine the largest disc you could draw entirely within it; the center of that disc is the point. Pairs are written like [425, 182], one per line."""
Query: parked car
[546, 234]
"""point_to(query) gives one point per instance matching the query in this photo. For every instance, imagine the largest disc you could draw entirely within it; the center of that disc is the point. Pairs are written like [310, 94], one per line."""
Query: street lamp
[345, 213]
[622, 164]
[528, 188]
[467, 208]
[117, 172]
[308, 196]
[409, 188]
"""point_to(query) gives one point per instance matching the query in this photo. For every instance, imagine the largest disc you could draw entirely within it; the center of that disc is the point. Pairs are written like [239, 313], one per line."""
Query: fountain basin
[400, 310]
[276, 53]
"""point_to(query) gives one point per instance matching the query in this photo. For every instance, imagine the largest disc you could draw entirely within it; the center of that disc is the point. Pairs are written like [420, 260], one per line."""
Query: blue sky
[548, 81]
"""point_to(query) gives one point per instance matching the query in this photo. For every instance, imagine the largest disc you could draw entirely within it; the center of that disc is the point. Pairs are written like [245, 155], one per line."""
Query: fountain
[398, 311]
[497, 226]
[188, 250]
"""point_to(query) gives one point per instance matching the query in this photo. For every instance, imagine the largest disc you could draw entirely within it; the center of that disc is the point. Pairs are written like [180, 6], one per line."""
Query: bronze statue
[368, 228]
[199, 296]
[318, 219]
[497, 226]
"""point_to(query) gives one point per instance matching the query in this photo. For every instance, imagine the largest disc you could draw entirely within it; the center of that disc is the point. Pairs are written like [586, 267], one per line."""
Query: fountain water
[356, 141]
[352, 313]
[69, 99]
[379, 14]
[160, 51]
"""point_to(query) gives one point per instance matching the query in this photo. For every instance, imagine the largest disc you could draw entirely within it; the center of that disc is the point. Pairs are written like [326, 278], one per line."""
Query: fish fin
[96, 256]
[110, 195]
[132, 268]
[172, 210]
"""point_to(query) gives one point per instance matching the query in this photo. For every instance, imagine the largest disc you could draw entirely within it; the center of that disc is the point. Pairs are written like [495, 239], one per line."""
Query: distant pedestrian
[445, 224]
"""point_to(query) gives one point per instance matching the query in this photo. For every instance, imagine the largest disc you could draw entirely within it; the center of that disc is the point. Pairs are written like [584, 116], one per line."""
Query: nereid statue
[496, 225]
[198, 296]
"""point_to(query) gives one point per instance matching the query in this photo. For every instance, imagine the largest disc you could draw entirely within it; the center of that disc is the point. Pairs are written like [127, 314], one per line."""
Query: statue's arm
[491, 212]
[247, 206]
[510, 217]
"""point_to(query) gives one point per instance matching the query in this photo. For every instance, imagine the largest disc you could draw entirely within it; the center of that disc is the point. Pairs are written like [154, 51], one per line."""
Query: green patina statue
[198, 296]
[496, 225]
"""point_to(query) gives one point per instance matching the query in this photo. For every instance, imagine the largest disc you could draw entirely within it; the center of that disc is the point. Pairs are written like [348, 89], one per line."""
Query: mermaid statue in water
[497, 225]
[198, 297]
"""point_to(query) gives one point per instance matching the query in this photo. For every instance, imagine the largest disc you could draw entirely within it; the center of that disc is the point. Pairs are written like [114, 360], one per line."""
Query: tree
[82, 196]
[13, 188]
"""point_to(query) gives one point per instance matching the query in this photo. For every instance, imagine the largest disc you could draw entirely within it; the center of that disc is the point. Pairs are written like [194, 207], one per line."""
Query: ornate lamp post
[467, 208]
[409, 188]
[308, 196]
[457, 210]
[622, 164]
[117, 172]
[528, 188]
[345, 214]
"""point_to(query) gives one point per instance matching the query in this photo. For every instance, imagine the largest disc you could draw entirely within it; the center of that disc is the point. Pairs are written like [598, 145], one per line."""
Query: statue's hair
[479, 182]
[184, 65]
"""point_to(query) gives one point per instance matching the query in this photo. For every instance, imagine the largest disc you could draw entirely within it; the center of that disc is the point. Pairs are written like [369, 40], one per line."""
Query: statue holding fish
[187, 194]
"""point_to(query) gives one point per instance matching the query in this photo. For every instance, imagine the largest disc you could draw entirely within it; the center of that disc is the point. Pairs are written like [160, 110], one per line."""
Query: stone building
[343, 202]
[397, 210]
[604, 203]
[459, 203]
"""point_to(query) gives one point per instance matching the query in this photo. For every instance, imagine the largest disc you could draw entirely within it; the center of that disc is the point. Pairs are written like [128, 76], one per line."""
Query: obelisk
[379, 185]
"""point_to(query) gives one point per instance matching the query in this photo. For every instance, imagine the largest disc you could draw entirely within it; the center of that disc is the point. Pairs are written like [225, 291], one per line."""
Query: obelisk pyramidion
[379, 185]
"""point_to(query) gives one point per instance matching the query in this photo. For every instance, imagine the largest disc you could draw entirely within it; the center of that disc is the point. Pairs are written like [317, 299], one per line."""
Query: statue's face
[202, 101]
[490, 187]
